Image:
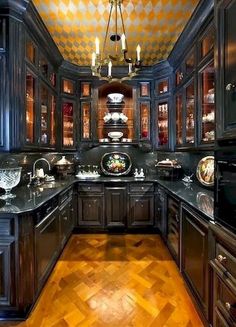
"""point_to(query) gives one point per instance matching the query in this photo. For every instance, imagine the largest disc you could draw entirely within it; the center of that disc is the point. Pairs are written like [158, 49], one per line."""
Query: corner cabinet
[226, 70]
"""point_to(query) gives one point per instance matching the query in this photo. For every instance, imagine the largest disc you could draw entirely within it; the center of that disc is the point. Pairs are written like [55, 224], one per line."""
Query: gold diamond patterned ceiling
[154, 24]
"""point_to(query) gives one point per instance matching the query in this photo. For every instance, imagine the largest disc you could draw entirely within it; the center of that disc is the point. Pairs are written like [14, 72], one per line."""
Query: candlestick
[123, 43]
[97, 45]
[93, 59]
[138, 49]
[109, 68]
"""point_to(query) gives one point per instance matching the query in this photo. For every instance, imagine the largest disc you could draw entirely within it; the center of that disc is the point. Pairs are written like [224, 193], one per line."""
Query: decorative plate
[116, 163]
[205, 171]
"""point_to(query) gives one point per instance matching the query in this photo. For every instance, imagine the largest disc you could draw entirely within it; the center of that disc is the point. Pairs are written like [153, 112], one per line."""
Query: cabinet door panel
[90, 209]
[195, 255]
[141, 210]
[115, 206]
[66, 223]
[173, 227]
[7, 273]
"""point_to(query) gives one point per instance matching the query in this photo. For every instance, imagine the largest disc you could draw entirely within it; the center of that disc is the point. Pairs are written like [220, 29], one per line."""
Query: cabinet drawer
[226, 260]
[225, 300]
[141, 188]
[6, 227]
[66, 195]
[90, 188]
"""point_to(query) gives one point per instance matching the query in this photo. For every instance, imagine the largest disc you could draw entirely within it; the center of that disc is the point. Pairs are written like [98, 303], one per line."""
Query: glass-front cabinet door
[207, 104]
[86, 121]
[30, 108]
[68, 124]
[145, 121]
[179, 119]
[162, 125]
[190, 114]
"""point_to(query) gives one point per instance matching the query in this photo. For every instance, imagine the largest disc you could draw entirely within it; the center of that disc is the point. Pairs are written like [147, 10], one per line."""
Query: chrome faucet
[40, 159]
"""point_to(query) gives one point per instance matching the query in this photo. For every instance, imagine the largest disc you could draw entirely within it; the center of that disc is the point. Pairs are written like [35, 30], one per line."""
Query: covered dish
[64, 167]
[116, 163]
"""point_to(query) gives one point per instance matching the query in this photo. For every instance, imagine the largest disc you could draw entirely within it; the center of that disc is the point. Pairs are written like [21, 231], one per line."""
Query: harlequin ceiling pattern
[154, 24]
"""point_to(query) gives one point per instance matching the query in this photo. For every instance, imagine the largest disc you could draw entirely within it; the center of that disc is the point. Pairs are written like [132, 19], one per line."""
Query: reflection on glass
[207, 43]
[208, 103]
[67, 86]
[162, 119]
[68, 124]
[144, 89]
[86, 120]
[53, 79]
[30, 107]
[53, 122]
[162, 87]
[145, 120]
[189, 64]
[44, 115]
[179, 119]
[190, 106]
[30, 51]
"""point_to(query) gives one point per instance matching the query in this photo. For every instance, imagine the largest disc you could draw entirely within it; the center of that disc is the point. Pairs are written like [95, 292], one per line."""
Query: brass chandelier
[119, 55]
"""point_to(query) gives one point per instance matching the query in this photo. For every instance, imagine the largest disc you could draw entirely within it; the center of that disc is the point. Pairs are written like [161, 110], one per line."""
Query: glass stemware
[9, 178]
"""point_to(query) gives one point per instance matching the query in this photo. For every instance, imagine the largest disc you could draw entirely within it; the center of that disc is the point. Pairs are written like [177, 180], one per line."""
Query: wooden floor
[114, 280]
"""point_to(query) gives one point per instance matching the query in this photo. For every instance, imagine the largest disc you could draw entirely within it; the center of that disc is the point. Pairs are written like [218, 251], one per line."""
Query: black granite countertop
[30, 198]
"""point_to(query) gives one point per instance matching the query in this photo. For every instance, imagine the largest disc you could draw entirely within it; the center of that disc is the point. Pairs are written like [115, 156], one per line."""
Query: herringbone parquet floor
[114, 280]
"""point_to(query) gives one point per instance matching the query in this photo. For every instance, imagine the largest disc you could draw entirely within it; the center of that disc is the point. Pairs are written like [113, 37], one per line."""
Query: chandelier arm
[108, 24]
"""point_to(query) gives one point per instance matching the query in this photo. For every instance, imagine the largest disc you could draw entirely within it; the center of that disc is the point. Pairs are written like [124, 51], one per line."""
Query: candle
[138, 49]
[130, 68]
[109, 68]
[97, 45]
[93, 59]
[123, 45]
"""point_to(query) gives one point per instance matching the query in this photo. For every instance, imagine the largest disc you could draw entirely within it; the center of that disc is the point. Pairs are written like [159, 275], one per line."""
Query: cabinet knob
[89, 188]
[65, 218]
[230, 87]
[89, 205]
[221, 258]
[227, 305]
[142, 188]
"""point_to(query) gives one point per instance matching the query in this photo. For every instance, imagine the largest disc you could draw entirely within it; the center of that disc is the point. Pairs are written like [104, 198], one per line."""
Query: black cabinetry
[90, 205]
[66, 215]
[194, 256]
[160, 211]
[173, 227]
[226, 69]
[115, 206]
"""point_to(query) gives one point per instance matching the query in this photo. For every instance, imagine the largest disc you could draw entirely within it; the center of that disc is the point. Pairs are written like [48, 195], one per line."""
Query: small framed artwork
[144, 89]
[85, 89]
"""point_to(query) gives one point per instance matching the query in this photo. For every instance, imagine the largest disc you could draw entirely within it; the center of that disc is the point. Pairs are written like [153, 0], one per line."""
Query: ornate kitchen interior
[117, 163]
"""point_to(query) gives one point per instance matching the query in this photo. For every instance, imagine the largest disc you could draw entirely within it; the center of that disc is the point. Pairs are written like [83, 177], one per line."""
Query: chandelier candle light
[100, 59]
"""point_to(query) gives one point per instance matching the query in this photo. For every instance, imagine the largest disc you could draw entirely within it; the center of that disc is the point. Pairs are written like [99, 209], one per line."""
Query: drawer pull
[65, 218]
[221, 258]
[227, 305]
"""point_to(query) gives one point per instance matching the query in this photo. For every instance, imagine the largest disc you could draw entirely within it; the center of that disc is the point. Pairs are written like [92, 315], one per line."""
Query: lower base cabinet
[141, 210]
[90, 211]
[194, 256]
[160, 211]
[115, 207]
[173, 228]
[66, 216]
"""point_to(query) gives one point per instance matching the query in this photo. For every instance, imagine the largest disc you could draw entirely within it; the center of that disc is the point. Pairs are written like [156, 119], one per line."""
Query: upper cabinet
[194, 95]
[226, 70]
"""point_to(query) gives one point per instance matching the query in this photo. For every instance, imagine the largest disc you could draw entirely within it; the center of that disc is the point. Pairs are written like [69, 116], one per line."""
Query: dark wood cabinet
[46, 246]
[226, 69]
[115, 206]
[7, 272]
[160, 211]
[66, 216]
[90, 205]
[141, 205]
[173, 227]
[194, 256]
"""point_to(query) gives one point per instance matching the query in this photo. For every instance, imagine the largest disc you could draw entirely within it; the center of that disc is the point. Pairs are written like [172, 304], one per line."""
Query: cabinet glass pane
[179, 119]
[189, 64]
[43, 66]
[85, 89]
[30, 108]
[163, 87]
[208, 103]
[68, 124]
[67, 86]
[52, 120]
[53, 79]
[190, 109]
[86, 120]
[44, 115]
[30, 51]
[162, 119]
[207, 43]
[178, 77]
[144, 89]
[145, 120]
